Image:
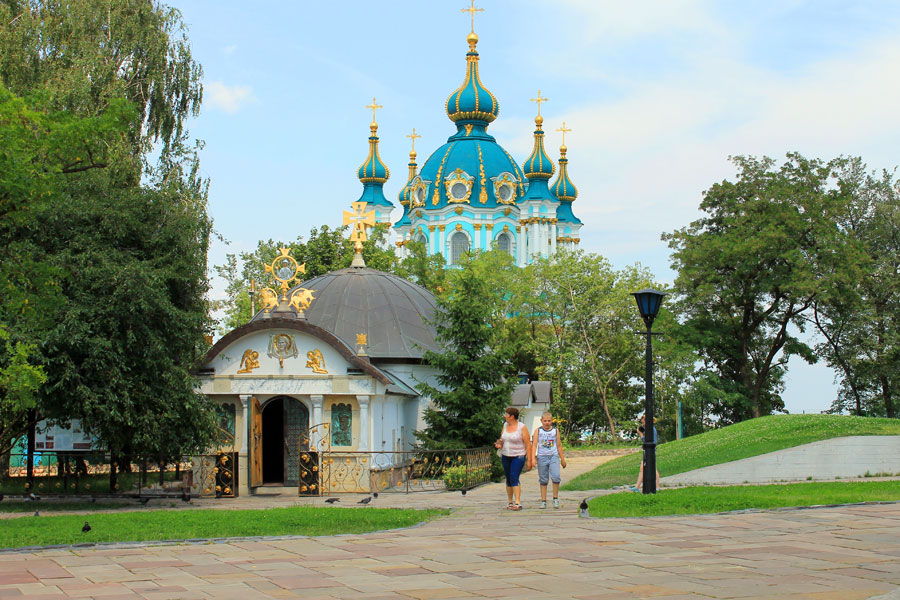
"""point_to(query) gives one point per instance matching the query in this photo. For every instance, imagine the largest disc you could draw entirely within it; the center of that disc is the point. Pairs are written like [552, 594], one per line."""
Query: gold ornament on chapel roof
[284, 270]
[359, 220]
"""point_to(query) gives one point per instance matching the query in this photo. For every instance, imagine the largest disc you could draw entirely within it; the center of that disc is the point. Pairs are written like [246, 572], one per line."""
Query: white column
[535, 240]
[244, 453]
[554, 233]
[364, 424]
[316, 418]
[521, 238]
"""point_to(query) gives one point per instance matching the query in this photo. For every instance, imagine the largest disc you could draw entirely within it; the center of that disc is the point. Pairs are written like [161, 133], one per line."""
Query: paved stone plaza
[485, 551]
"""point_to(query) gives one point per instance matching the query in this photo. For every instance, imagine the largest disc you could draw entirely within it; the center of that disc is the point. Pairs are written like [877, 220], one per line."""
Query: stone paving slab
[484, 551]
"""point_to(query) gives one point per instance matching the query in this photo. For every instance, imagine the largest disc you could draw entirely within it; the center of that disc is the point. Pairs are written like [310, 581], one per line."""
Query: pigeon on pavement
[584, 508]
[332, 500]
[375, 495]
[365, 500]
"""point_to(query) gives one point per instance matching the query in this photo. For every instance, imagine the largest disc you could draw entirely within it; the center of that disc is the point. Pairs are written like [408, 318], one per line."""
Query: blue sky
[658, 95]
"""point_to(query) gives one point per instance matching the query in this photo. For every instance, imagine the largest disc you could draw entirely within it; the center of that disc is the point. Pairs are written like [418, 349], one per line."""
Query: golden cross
[564, 131]
[413, 137]
[374, 106]
[472, 10]
[359, 220]
[539, 100]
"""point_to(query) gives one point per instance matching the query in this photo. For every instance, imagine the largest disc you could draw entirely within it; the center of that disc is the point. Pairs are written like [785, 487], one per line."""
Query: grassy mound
[741, 440]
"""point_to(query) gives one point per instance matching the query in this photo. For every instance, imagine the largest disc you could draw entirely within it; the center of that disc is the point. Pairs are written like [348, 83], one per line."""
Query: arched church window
[420, 239]
[504, 244]
[459, 243]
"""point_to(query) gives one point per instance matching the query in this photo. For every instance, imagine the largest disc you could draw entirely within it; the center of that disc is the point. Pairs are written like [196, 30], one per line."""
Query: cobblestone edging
[744, 511]
[602, 452]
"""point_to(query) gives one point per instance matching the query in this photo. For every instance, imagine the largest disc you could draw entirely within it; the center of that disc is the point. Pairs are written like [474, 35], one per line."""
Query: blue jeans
[512, 466]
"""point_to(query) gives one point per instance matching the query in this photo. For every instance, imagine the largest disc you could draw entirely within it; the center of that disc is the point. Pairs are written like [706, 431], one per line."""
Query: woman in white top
[515, 453]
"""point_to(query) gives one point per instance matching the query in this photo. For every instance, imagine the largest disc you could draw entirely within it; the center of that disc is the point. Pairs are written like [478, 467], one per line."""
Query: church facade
[471, 194]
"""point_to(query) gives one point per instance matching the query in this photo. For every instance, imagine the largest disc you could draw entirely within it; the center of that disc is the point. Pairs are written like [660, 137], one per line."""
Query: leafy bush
[457, 478]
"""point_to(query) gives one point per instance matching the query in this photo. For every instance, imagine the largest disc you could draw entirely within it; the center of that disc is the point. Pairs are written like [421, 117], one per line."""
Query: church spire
[472, 104]
[564, 189]
[373, 173]
[538, 165]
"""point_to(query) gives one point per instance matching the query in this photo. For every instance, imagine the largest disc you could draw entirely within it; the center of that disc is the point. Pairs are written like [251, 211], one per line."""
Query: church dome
[392, 312]
[538, 165]
[472, 101]
[373, 170]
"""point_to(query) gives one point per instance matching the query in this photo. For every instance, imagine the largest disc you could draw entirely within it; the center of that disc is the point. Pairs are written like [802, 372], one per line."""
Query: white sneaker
[556, 503]
[543, 504]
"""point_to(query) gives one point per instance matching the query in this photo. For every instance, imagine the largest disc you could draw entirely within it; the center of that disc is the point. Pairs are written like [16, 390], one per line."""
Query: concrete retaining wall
[844, 458]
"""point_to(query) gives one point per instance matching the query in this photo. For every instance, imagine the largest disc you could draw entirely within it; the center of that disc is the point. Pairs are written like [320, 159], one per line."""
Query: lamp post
[648, 302]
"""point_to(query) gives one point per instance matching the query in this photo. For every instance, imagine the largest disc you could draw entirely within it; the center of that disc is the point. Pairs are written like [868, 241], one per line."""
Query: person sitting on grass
[548, 454]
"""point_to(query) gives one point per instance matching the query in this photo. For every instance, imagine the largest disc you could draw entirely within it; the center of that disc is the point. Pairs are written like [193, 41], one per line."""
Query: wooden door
[256, 458]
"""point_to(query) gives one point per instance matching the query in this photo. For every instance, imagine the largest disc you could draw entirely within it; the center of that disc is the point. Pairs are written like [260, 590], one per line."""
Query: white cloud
[229, 50]
[228, 98]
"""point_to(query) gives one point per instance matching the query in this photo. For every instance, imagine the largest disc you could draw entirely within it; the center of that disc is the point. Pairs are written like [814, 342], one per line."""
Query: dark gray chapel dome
[394, 313]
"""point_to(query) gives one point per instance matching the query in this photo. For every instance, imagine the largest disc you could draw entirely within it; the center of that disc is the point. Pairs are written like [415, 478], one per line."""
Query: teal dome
[471, 169]
[565, 190]
[373, 170]
[538, 165]
[472, 101]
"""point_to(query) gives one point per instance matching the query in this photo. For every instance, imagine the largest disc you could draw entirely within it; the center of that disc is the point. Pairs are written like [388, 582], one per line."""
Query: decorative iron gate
[327, 472]
[215, 475]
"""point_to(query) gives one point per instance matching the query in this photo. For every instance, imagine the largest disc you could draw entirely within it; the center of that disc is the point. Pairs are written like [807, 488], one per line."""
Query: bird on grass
[332, 500]
[584, 508]
[37, 514]
[365, 500]
[143, 501]
[86, 527]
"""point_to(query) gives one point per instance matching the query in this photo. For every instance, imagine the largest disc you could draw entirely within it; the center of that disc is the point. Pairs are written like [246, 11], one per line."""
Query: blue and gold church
[471, 194]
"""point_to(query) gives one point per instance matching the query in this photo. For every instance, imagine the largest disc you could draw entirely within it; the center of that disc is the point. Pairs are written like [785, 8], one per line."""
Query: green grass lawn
[703, 500]
[741, 440]
[192, 524]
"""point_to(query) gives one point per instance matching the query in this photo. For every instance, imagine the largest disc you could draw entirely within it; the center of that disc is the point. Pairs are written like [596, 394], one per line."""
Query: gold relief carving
[442, 227]
[282, 346]
[249, 361]
[506, 228]
[431, 227]
[468, 127]
[268, 299]
[518, 229]
[417, 193]
[477, 226]
[361, 339]
[316, 362]
[419, 213]
[284, 270]
[459, 227]
[489, 226]
[301, 299]
[437, 182]
[482, 195]
[458, 186]
[506, 211]
[458, 210]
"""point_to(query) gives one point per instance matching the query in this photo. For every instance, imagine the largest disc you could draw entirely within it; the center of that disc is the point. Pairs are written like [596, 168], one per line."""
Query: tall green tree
[859, 321]
[587, 345]
[122, 236]
[751, 268]
[474, 381]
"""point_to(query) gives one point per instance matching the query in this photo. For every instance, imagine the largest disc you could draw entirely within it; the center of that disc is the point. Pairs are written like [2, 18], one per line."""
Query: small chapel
[334, 361]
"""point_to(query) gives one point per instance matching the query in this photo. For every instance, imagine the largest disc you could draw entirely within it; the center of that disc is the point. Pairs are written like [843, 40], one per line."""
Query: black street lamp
[648, 302]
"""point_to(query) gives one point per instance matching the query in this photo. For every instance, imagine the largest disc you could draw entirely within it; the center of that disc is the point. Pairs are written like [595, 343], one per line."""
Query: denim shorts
[512, 466]
[548, 468]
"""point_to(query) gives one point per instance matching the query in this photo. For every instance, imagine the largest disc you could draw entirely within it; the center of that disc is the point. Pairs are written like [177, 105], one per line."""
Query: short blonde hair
[546, 413]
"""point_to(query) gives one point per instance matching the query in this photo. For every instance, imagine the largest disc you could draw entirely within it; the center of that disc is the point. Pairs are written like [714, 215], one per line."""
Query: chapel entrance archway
[283, 420]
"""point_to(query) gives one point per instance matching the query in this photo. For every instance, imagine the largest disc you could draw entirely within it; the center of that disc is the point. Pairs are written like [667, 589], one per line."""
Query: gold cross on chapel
[413, 137]
[564, 131]
[359, 219]
[472, 10]
[374, 106]
[539, 100]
